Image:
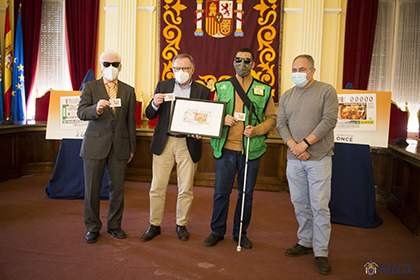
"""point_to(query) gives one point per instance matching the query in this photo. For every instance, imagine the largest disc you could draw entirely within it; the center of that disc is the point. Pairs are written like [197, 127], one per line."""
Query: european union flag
[18, 106]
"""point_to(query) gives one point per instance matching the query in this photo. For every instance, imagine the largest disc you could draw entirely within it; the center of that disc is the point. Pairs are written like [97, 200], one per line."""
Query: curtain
[81, 24]
[406, 80]
[31, 11]
[398, 69]
[359, 40]
[53, 69]
[381, 66]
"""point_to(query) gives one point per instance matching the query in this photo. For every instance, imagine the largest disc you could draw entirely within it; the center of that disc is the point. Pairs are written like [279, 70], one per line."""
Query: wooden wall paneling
[24, 151]
[282, 164]
[205, 170]
[401, 203]
[398, 181]
[402, 168]
[272, 172]
[35, 154]
[8, 163]
[381, 162]
[411, 204]
[140, 167]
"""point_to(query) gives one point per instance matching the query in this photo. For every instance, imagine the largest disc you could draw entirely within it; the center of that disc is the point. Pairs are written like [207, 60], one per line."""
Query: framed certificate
[197, 117]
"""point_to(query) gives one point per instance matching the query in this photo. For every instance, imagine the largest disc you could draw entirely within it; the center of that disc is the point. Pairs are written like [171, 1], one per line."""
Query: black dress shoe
[298, 250]
[212, 240]
[117, 233]
[151, 232]
[182, 232]
[245, 242]
[322, 265]
[91, 237]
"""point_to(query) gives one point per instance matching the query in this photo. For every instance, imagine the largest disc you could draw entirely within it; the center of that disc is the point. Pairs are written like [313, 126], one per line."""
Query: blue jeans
[225, 168]
[310, 192]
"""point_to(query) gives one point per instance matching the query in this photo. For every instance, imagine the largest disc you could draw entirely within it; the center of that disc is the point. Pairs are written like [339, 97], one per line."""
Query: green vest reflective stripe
[259, 93]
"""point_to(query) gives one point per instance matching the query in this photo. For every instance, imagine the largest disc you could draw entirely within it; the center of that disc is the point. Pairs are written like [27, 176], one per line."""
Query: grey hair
[184, 55]
[310, 59]
[109, 52]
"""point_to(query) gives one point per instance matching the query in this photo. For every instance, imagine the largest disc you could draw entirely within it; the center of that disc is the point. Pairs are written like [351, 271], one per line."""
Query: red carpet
[43, 238]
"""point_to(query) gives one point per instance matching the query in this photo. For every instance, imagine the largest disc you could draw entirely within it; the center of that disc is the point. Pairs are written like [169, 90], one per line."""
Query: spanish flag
[8, 66]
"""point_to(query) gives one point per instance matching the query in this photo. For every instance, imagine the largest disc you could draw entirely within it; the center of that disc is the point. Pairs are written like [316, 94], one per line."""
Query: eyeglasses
[245, 60]
[106, 64]
[184, 69]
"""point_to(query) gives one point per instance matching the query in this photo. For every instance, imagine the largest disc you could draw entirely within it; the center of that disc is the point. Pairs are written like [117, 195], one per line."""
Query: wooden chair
[41, 106]
[398, 122]
[418, 118]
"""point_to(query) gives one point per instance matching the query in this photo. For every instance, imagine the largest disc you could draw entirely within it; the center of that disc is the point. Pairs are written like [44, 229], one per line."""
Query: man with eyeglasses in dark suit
[168, 149]
[230, 149]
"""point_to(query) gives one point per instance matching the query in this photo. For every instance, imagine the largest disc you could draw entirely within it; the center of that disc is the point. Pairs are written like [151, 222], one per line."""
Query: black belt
[177, 135]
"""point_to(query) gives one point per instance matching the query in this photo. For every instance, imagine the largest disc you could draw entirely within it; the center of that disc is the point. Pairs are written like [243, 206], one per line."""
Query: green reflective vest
[259, 93]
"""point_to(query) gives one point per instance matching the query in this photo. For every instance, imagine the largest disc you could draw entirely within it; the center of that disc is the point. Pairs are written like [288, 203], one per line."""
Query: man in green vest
[241, 92]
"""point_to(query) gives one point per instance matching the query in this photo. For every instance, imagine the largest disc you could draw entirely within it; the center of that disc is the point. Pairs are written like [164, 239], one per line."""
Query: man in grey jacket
[110, 141]
[306, 118]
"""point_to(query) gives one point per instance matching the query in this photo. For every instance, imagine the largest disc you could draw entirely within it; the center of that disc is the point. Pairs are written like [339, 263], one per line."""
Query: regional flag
[1, 92]
[8, 66]
[18, 106]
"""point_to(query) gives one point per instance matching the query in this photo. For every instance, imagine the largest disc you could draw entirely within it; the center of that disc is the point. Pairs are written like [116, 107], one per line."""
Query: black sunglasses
[245, 60]
[107, 64]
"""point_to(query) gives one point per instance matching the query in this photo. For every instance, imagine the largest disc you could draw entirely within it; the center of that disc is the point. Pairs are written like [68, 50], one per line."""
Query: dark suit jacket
[107, 129]
[198, 91]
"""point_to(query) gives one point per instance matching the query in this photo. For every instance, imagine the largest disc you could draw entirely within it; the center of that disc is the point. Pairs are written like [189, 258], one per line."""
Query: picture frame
[62, 121]
[197, 117]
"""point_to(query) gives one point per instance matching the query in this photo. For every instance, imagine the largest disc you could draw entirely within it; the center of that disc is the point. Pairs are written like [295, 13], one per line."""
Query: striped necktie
[112, 92]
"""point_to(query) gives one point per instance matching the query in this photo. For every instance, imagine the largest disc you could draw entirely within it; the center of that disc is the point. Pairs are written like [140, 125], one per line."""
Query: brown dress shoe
[182, 232]
[151, 232]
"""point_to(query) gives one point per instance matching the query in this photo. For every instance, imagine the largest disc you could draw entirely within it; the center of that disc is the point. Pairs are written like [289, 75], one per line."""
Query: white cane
[243, 198]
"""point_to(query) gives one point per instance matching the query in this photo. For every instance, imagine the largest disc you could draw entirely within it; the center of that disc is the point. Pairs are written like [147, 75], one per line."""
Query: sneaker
[212, 240]
[322, 265]
[298, 250]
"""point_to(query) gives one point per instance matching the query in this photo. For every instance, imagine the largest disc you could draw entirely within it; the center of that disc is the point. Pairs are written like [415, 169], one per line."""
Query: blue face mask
[299, 79]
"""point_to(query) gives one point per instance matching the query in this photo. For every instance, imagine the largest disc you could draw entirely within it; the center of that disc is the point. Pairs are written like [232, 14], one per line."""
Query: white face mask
[182, 77]
[299, 79]
[111, 73]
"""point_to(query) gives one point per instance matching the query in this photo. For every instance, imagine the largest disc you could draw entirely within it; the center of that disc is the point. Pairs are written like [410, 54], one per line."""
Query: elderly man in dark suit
[110, 141]
[169, 149]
